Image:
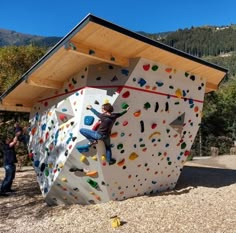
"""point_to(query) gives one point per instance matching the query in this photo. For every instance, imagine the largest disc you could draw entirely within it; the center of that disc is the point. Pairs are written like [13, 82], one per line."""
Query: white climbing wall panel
[150, 142]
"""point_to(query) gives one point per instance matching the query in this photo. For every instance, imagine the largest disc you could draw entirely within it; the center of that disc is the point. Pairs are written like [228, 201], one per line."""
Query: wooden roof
[113, 44]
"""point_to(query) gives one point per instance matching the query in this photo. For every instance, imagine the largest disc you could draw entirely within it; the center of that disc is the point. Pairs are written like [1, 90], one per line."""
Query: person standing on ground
[9, 163]
[107, 120]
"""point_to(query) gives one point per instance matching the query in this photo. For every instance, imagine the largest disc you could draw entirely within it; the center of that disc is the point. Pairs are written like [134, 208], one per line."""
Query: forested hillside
[10, 38]
[18, 52]
[203, 41]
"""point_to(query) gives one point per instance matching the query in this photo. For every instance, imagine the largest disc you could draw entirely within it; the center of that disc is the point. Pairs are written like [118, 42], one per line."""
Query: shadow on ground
[206, 177]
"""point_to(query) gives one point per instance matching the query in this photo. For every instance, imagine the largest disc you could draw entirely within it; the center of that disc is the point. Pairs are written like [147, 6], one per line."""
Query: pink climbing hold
[125, 123]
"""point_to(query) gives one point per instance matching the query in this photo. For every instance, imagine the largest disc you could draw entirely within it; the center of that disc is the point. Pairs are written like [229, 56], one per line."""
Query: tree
[15, 61]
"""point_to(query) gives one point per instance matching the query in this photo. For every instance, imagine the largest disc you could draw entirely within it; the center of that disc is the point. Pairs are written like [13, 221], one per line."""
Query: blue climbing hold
[83, 148]
[88, 120]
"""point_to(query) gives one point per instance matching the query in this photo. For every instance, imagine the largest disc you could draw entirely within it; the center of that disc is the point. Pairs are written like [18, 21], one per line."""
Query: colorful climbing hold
[146, 67]
[114, 135]
[142, 126]
[141, 82]
[168, 70]
[133, 156]
[137, 113]
[154, 125]
[92, 183]
[147, 105]
[178, 93]
[91, 173]
[82, 158]
[88, 120]
[125, 123]
[124, 105]
[155, 133]
[120, 146]
[154, 67]
[121, 162]
[126, 94]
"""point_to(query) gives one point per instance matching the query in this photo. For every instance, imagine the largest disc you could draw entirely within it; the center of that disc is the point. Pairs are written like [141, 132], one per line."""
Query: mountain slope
[9, 38]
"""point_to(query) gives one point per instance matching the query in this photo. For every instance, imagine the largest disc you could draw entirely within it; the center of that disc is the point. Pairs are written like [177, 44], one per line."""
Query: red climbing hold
[126, 94]
[63, 117]
[154, 125]
[168, 70]
[146, 67]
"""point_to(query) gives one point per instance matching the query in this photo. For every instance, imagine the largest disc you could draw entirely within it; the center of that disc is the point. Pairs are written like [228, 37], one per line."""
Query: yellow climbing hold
[155, 133]
[94, 158]
[103, 157]
[178, 93]
[106, 101]
[63, 179]
[82, 158]
[60, 165]
[115, 221]
[133, 156]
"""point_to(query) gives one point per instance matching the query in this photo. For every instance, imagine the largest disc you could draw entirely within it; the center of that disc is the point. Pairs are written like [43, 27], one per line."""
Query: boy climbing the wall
[107, 120]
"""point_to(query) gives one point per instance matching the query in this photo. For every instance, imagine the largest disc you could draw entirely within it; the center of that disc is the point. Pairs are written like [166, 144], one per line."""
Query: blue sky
[57, 17]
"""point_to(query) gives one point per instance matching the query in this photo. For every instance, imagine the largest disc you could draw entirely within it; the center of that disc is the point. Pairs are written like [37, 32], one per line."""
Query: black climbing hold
[75, 169]
[167, 107]
[142, 126]
[156, 107]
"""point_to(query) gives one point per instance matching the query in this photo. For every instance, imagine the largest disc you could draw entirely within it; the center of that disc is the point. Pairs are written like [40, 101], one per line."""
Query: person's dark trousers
[10, 172]
[107, 143]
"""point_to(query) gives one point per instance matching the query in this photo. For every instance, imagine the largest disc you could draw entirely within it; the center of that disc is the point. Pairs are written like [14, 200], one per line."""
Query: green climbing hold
[154, 67]
[119, 146]
[92, 183]
[124, 105]
[147, 105]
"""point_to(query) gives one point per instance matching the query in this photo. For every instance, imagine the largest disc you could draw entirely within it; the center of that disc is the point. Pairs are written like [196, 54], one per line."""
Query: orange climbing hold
[33, 131]
[91, 173]
[137, 113]
[114, 135]
[121, 163]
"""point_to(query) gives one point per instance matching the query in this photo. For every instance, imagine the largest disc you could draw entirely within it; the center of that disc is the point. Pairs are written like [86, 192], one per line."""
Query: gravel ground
[203, 201]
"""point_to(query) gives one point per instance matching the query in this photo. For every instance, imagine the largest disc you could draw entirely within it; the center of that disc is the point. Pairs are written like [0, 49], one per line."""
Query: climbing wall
[150, 142]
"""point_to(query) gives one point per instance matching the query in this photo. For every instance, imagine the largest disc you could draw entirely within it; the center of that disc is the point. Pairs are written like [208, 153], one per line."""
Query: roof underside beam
[97, 54]
[16, 105]
[13, 108]
[211, 86]
[44, 83]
